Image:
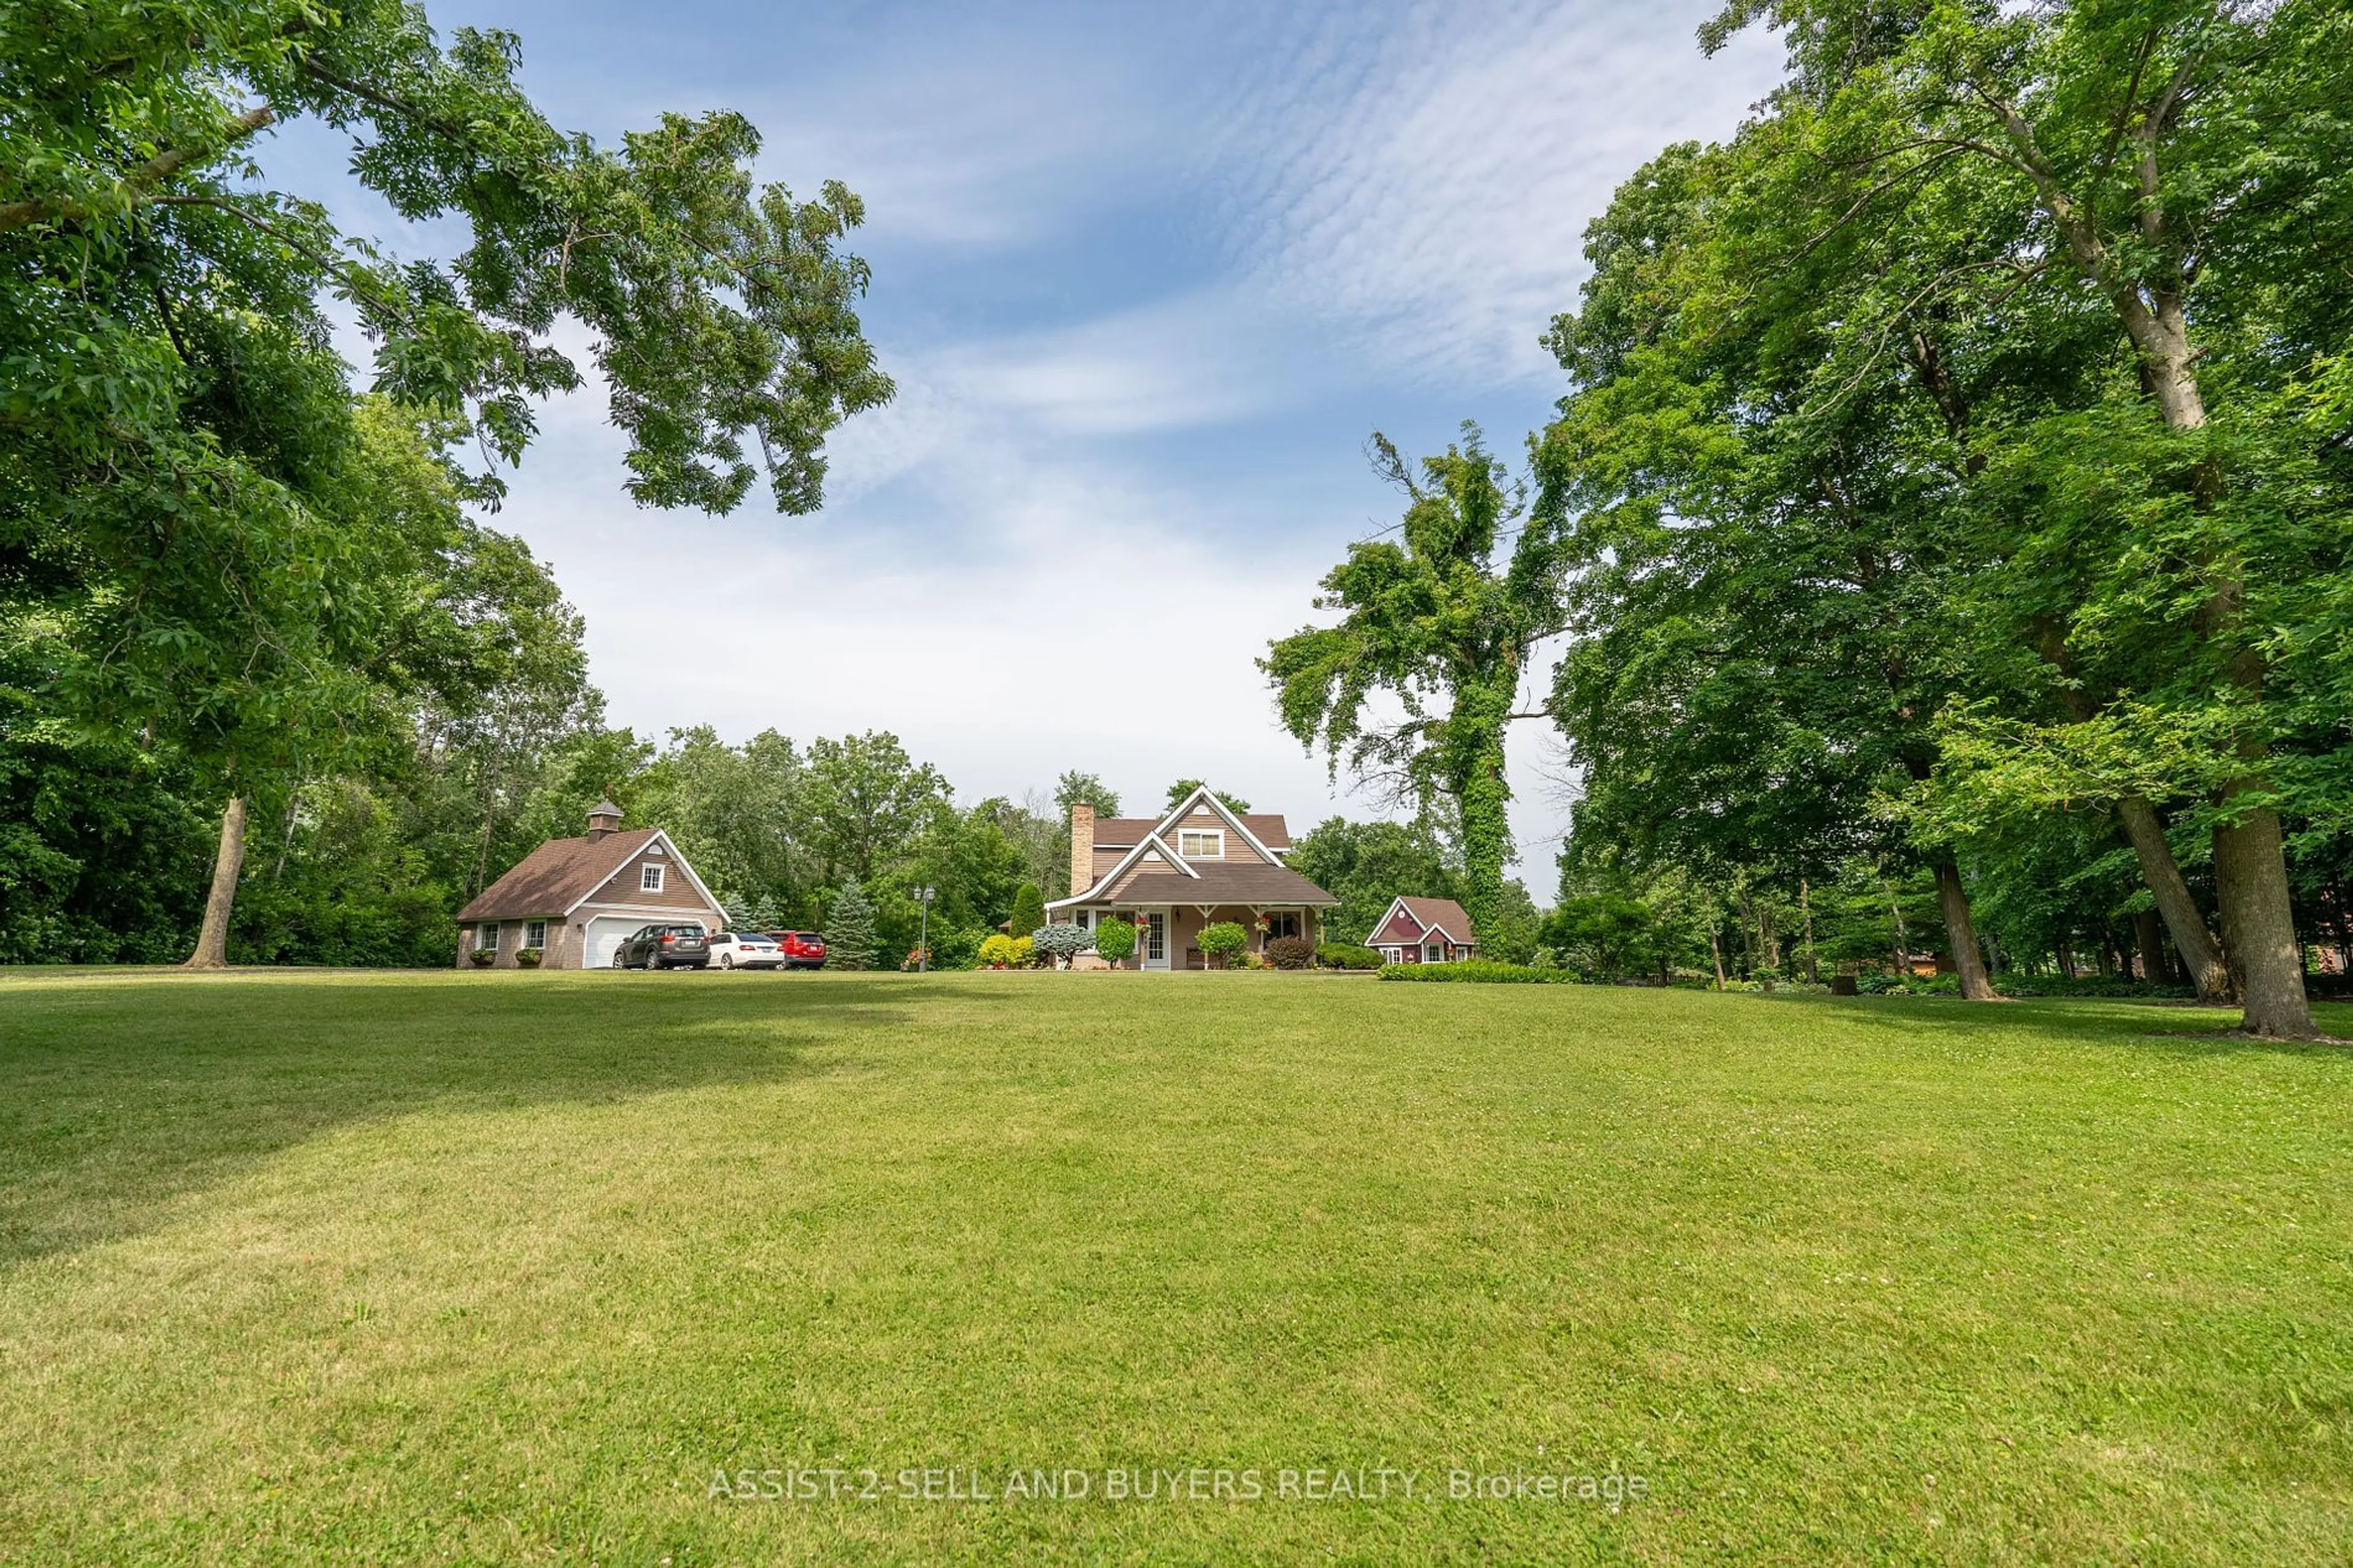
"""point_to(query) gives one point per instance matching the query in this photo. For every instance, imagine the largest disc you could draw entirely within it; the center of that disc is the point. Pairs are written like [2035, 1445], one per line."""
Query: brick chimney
[604, 818]
[1083, 847]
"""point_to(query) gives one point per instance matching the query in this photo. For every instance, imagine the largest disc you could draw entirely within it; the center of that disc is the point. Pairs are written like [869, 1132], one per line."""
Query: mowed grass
[508, 1267]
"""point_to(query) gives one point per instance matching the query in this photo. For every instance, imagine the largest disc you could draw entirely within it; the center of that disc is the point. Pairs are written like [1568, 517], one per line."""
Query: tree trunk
[2259, 924]
[2250, 862]
[2148, 935]
[1961, 932]
[286, 844]
[1485, 835]
[1715, 952]
[1903, 939]
[2201, 954]
[1806, 908]
[490, 823]
[212, 942]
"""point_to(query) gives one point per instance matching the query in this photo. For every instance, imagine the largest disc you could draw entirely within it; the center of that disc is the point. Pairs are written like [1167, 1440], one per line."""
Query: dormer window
[1201, 844]
[649, 878]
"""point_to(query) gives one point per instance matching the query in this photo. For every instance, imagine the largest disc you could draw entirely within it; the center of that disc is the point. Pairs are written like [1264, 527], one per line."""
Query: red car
[802, 949]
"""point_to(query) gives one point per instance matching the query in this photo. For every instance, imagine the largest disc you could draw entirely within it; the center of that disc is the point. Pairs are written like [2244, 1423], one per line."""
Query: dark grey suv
[664, 947]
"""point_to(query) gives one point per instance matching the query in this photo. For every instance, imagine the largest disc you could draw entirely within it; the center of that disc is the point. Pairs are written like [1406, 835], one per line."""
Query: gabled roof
[559, 875]
[1186, 878]
[1218, 884]
[1126, 832]
[1444, 916]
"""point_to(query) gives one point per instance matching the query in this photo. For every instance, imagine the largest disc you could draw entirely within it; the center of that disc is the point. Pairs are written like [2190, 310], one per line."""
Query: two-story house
[1198, 865]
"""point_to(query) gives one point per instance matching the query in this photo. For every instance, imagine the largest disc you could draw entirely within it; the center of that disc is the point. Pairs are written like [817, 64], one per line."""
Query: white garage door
[606, 933]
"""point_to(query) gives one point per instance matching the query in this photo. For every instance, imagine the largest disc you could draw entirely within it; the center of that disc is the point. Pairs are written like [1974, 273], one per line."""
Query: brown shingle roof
[1127, 832]
[1251, 883]
[557, 876]
[1443, 913]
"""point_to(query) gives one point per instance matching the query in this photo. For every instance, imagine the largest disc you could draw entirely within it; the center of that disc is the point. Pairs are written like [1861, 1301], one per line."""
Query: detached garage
[573, 901]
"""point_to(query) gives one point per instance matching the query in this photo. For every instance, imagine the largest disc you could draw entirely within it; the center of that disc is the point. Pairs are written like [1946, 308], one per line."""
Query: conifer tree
[849, 940]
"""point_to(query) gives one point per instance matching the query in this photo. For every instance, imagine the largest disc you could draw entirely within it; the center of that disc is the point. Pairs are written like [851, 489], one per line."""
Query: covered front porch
[1168, 935]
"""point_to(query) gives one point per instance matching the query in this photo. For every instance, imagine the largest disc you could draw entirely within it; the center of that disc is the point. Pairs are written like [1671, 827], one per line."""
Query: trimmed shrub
[1060, 942]
[1115, 941]
[1029, 910]
[1346, 955]
[1290, 952]
[1010, 951]
[1221, 941]
[1479, 971]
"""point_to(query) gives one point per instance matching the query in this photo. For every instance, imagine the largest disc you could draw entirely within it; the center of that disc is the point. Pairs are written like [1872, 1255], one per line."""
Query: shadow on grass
[121, 1091]
[2176, 1028]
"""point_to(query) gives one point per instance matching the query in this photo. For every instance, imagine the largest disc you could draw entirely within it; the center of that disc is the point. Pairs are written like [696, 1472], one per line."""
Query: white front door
[1155, 934]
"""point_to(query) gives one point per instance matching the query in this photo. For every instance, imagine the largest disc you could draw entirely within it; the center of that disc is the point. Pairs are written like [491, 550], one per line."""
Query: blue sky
[1147, 276]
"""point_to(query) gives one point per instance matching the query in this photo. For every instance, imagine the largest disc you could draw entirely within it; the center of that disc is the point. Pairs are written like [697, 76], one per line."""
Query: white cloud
[1428, 183]
[1075, 617]
[1197, 358]
[1112, 474]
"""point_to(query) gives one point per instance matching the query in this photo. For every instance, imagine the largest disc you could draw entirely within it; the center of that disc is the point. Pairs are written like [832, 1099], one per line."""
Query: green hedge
[1480, 971]
[1346, 955]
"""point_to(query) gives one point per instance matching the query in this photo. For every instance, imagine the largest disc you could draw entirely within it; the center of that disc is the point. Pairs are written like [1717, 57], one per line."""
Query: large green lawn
[508, 1267]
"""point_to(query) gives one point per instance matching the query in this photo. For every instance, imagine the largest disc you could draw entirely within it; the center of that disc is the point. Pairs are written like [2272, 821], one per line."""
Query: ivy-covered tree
[1444, 620]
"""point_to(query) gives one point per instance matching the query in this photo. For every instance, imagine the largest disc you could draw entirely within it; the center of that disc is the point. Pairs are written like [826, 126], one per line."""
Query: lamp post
[924, 941]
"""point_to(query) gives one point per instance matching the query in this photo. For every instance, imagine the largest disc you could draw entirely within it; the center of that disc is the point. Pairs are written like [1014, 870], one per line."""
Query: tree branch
[128, 191]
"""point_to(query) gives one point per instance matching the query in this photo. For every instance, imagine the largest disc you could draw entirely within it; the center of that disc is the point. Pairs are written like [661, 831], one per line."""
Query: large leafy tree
[1443, 621]
[2177, 170]
[1182, 790]
[174, 428]
[1763, 540]
[863, 802]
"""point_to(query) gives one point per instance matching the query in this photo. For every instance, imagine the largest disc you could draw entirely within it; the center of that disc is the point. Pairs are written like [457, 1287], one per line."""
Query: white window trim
[486, 937]
[1201, 835]
[1433, 953]
[541, 941]
[651, 877]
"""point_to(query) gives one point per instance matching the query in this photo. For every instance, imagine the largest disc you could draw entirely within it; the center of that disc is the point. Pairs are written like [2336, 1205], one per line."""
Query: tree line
[1950, 497]
[227, 573]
